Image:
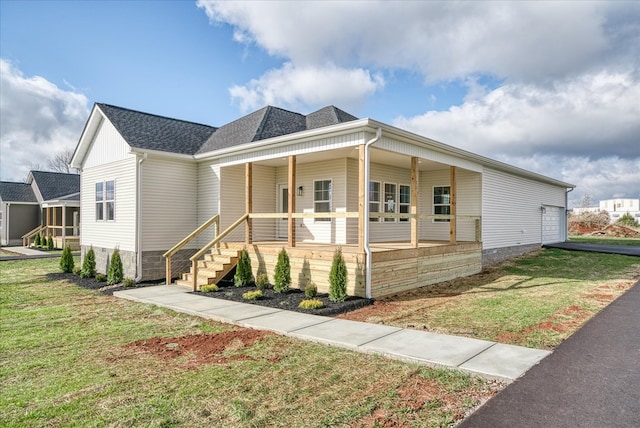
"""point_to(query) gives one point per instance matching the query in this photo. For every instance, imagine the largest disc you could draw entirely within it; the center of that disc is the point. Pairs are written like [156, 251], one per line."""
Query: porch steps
[212, 268]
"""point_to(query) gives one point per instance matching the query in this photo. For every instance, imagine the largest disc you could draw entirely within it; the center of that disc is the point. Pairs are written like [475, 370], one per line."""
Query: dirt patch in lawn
[200, 349]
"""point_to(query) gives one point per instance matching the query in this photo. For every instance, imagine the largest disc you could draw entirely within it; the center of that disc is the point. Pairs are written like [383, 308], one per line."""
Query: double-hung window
[390, 200]
[441, 202]
[322, 198]
[374, 199]
[105, 200]
[404, 201]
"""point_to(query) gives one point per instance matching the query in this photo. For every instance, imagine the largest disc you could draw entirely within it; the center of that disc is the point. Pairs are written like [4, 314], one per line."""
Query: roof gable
[55, 185]
[16, 192]
[327, 116]
[152, 132]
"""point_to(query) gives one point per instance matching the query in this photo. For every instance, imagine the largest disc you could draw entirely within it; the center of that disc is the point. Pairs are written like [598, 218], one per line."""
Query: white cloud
[37, 119]
[443, 40]
[293, 87]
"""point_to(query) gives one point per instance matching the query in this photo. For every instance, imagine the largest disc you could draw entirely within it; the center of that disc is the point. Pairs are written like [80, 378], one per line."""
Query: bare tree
[586, 201]
[61, 162]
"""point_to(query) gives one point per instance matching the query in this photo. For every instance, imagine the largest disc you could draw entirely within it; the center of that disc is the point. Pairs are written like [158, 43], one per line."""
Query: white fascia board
[86, 138]
[160, 154]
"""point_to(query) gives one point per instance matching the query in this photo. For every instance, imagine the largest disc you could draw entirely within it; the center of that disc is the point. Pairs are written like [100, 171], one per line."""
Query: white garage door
[552, 225]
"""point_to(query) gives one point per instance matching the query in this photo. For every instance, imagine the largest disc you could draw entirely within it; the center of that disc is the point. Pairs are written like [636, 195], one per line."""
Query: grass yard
[535, 301]
[604, 240]
[75, 357]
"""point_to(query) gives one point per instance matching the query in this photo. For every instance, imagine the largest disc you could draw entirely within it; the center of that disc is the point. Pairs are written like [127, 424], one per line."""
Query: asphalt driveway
[625, 250]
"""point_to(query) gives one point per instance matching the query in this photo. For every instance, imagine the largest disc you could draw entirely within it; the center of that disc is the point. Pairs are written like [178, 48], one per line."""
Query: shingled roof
[270, 122]
[16, 192]
[152, 132]
[56, 185]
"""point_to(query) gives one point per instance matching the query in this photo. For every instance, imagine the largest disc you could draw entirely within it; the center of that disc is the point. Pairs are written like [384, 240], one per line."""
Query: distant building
[619, 207]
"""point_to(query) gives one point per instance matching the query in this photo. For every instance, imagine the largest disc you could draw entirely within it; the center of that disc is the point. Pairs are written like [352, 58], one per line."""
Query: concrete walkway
[26, 253]
[488, 359]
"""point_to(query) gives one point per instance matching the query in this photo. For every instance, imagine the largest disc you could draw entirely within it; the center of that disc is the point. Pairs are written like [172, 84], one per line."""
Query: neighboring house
[406, 210]
[19, 212]
[48, 202]
[619, 207]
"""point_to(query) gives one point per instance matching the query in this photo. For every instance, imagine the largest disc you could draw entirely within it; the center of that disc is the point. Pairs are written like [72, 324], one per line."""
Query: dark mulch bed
[93, 284]
[287, 301]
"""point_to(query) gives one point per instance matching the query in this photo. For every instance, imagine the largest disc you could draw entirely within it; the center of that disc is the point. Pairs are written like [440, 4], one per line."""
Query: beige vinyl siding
[385, 231]
[232, 200]
[511, 208]
[122, 231]
[208, 203]
[468, 203]
[169, 202]
[108, 146]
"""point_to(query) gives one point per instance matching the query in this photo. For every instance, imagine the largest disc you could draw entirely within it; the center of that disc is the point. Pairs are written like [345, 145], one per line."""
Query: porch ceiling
[377, 156]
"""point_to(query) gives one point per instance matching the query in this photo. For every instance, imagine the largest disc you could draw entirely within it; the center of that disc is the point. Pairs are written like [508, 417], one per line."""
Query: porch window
[441, 202]
[322, 198]
[374, 199]
[105, 200]
[390, 200]
[404, 201]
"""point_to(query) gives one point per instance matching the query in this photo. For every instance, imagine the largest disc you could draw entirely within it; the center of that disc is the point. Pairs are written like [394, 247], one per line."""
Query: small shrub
[209, 288]
[243, 275]
[100, 277]
[50, 245]
[252, 295]
[311, 304]
[78, 271]
[89, 264]
[128, 282]
[43, 241]
[627, 220]
[66, 260]
[115, 275]
[311, 290]
[262, 281]
[338, 278]
[36, 240]
[282, 277]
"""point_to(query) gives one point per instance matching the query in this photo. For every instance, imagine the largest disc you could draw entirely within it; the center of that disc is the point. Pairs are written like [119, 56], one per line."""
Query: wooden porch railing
[215, 220]
[215, 241]
[26, 238]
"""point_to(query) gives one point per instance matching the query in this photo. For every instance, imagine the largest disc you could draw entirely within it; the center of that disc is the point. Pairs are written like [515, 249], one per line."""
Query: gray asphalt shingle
[55, 185]
[16, 192]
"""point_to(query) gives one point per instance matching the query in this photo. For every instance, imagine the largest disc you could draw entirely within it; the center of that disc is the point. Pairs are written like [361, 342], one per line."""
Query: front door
[282, 231]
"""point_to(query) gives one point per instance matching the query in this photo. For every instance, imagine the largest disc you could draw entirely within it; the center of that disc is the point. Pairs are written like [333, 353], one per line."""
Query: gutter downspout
[139, 219]
[367, 249]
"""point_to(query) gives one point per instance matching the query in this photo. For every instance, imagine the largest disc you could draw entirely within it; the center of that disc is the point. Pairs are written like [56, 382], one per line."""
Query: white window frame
[322, 201]
[390, 205]
[434, 204]
[404, 204]
[374, 202]
[103, 214]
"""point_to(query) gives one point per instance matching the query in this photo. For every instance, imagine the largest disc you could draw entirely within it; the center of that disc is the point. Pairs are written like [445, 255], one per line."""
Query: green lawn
[535, 301]
[605, 240]
[66, 360]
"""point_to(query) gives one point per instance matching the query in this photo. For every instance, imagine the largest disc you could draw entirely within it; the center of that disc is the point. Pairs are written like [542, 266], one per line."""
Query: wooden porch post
[362, 187]
[414, 202]
[291, 225]
[248, 179]
[55, 221]
[452, 224]
[48, 221]
[64, 225]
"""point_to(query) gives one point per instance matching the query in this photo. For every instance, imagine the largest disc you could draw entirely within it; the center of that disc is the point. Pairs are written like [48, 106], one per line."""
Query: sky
[551, 87]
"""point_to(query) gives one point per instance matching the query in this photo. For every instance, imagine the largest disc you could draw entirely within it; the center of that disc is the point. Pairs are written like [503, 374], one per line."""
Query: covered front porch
[60, 220]
[401, 221]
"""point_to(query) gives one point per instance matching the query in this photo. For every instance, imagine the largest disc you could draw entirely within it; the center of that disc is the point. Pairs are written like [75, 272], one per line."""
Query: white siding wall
[353, 179]
[122, 231]
[232, 200]
[169, 203]
[468, 202]
[264, 200]
[511, 208]
[108, 146]
[389, 231]
[208, 198]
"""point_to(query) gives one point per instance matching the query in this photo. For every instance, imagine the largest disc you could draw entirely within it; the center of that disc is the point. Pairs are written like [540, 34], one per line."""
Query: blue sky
[552, 87]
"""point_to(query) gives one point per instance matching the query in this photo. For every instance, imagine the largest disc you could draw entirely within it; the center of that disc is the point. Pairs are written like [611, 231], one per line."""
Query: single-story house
[405, 210]
[49, 203]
